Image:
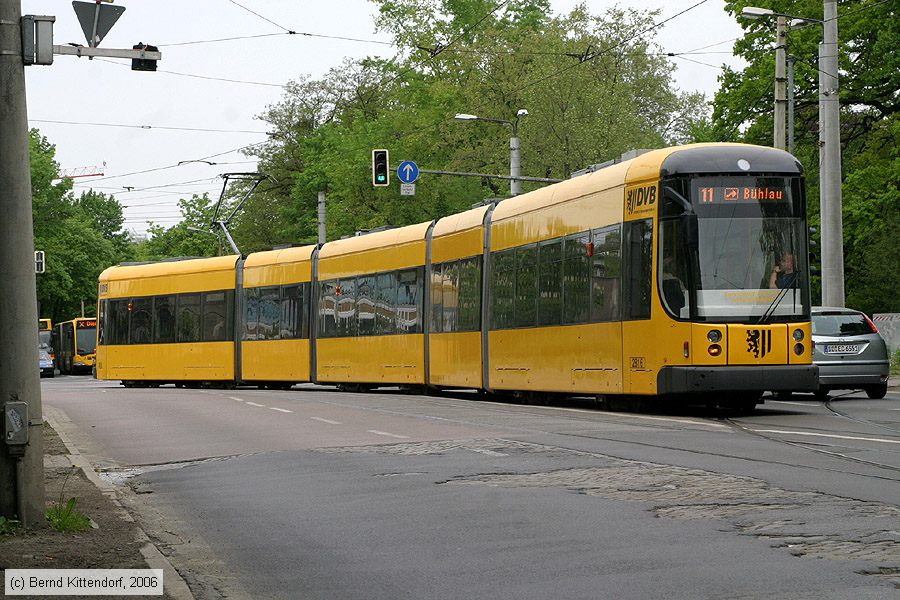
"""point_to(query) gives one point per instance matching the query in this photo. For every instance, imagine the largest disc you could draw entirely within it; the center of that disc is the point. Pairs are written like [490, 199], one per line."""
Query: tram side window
[409, 300]
[606, 273]
[251, 314]
[188, 320]
[450, 297]
[469, 317]
[550, 270]
[638, 268]
[164, 319]
[304, 310]
[437, 298]
[365, 304]
[141, 321]
[327, 309]
[118, 320]
[269, 312]
[101, 322]
[217, 308]
[576, 279]
[292, 312]
[526, 286]
[456, 296]
[385, 303]
[503, 285]
[346, 308]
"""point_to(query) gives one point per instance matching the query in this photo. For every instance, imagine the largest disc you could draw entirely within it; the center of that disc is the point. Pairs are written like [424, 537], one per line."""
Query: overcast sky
[188, 93]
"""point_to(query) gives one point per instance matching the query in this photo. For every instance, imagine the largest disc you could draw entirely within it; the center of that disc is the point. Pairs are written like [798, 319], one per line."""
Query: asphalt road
[313, 493]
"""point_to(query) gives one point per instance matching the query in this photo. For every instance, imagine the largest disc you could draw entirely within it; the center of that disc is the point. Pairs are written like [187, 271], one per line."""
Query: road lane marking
[828, 435]
[236, 399]
[284, 410]
[255, 404]
[329, 421]
[393, 435]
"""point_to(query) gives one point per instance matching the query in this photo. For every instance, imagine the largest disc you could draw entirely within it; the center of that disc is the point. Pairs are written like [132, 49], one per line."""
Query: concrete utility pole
[21, 496]
[780, 82]
[515, 153]
[790, 125]
[321, 217]
[830, 204]
[515, 161]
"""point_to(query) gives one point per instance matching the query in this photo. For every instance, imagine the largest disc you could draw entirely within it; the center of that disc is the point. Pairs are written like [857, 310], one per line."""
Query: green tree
[593, 88]
[869, 33]
[79, 238]
[193, 236]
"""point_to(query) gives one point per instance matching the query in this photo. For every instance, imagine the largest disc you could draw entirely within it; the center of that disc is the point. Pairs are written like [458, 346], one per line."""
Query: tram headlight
[714, 336]
[714, 350]
[799, 349]
[798, 335]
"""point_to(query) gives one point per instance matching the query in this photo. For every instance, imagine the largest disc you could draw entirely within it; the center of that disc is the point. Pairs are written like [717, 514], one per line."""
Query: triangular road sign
[105, 16]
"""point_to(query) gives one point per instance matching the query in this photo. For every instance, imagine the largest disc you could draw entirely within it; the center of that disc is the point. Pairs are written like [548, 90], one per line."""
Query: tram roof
[279, 256]
[166, 268]
[379, 239]
[460, 222]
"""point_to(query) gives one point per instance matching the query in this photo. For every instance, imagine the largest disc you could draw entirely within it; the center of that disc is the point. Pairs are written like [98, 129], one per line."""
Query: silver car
[849, 352]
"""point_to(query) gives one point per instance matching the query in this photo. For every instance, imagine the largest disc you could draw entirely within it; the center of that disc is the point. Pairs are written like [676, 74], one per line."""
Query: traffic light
[39, 264]
[381, 176]
[142, 64]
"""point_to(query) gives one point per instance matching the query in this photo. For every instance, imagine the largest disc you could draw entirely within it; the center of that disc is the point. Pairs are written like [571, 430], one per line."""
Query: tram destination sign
[86, 324]
[727, 194]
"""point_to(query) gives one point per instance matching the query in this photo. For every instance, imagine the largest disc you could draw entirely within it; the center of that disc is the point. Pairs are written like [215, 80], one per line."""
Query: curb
[173, 584]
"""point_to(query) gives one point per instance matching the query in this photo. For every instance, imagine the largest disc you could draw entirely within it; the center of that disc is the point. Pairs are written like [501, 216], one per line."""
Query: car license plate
[841, 348]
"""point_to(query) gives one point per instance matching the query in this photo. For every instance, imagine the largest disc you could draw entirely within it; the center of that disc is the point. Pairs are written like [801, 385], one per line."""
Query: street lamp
[829, 148]
[515, 157]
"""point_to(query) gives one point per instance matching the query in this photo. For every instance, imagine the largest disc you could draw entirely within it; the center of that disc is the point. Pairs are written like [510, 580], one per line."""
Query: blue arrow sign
[408, 171]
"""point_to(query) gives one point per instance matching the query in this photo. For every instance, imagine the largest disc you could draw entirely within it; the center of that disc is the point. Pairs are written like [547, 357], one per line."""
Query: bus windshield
[750, 260]
[86, 341]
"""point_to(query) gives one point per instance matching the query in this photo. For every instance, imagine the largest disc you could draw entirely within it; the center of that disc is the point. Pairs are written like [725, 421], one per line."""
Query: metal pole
[790, 95]
[19, 380]
[515, 166]
[830, 162]
[780, 100]
[321, 217]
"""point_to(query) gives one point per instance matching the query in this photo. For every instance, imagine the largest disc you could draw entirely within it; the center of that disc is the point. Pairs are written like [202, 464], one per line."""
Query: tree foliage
[193, 236]
[869, 33]
[592, 86]
[80, 237]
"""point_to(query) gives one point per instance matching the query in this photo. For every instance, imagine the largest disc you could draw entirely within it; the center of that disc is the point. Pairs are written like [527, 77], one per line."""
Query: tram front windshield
[750, 260]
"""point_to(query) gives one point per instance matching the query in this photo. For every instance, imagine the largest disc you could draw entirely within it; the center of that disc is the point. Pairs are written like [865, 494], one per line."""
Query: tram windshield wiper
[767, 314]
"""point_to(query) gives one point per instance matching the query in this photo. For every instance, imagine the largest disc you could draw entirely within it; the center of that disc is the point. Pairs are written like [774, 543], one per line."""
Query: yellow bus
[75, 346]
[45, 333]
[679, 273]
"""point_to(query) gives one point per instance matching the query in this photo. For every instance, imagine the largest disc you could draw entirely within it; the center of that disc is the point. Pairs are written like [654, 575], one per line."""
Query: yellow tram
[651, 276]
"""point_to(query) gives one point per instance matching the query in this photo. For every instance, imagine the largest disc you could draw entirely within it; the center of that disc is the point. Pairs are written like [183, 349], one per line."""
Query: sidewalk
[114, 540]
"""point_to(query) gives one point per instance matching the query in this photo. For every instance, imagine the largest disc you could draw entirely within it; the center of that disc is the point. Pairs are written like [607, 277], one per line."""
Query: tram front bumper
[775, 378]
